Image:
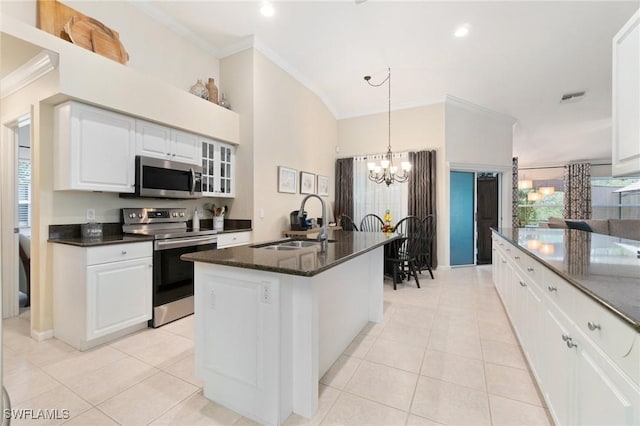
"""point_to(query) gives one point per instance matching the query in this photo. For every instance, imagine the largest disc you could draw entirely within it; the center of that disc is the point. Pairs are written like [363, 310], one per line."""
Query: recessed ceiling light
[267, 9]
[462, 31]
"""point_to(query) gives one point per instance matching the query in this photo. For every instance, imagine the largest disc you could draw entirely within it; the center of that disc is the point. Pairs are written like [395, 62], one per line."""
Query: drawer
[616, 338]
[532, 270]
[118, 252]
[559, 291]
[231, 239]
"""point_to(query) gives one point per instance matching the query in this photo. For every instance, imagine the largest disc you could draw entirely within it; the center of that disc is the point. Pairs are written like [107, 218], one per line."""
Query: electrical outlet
[91, 214]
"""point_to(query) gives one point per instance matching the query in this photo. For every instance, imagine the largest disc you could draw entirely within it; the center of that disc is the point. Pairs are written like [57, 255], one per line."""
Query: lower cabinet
[584, 375]
[101, 293]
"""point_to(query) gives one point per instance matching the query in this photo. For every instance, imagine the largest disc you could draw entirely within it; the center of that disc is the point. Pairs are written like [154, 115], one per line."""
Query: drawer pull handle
[523, 284]
[570, 344]
[516, 257]
[530, 269]
[551, 288]
[124, 252]
[504, 261]
[593, 326]
[508, 249]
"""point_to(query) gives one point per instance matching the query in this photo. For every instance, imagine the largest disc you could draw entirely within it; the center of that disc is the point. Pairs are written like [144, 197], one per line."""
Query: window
[609, 204]
[24, 189]
[378, 198]
[544, 200]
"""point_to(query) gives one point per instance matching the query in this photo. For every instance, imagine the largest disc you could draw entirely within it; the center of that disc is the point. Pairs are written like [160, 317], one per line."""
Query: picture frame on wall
[307, 183]
[323, 185]
[287, 180]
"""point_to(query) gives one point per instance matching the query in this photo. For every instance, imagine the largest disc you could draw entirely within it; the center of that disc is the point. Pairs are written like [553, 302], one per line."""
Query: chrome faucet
[323, 236]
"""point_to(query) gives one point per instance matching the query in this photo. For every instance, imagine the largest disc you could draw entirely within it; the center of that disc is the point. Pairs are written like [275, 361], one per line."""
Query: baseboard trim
[40, 336]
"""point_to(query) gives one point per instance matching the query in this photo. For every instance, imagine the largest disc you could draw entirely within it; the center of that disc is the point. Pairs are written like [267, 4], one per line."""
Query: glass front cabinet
[218, 169]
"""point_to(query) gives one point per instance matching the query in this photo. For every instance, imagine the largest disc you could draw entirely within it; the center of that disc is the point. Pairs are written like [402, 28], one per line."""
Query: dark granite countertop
[307, 261]
[105, 240]
[605, 268]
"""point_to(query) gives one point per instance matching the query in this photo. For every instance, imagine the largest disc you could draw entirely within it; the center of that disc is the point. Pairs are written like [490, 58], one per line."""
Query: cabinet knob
[530, 269]
[150, 265]
[504, 261]
[593, 326]
[508, 249]
[552, 288]
[566, 337]
[124, 252]
[516, 257]
[523, 284]
[570, 344]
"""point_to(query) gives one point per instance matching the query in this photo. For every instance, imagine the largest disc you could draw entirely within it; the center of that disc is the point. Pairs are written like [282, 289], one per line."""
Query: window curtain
[377, 198]
[577, 196]
[515, 207]
[422, 192]
[344, 188]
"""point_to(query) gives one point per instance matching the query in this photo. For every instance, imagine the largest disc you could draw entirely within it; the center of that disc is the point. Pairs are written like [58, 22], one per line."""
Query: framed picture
[287, 180]
[323, 185]
[307, 183]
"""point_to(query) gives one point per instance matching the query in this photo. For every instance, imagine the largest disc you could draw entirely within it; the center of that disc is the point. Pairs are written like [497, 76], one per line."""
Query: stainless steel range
[172, 277]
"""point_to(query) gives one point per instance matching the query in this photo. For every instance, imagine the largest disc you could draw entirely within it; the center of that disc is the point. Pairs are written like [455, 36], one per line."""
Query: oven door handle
[193, 180]
[183, 242]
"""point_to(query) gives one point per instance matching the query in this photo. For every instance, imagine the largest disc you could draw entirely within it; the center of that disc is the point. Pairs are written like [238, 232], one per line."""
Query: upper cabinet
[218, 168]
[157, 141]
[94, 149]
[626, 99]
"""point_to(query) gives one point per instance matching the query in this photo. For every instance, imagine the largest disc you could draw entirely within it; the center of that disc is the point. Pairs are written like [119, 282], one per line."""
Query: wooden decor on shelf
[89, 33]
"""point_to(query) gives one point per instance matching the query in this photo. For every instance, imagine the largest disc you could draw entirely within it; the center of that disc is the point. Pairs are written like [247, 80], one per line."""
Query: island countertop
[305, 261]
[605, 268]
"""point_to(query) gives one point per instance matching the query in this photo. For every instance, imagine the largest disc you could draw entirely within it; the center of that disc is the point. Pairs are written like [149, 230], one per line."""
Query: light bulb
[546, 190]
[267, 10]
[384, 164]
[406, 165]
[371, 166]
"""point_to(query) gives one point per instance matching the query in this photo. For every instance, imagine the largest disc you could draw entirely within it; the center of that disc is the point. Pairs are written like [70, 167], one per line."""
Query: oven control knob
[140, 215]
[175, 214]
[181, 214]
[132, 215]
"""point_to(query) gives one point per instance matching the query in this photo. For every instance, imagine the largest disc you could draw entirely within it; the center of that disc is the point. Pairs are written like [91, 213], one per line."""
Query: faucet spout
[324, 234]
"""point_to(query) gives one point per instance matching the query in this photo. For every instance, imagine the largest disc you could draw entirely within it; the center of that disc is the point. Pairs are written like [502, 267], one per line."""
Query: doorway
[487, 214]
[474, 209]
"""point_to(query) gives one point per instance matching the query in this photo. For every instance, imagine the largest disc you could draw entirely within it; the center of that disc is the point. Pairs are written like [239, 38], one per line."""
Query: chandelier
[385, 171]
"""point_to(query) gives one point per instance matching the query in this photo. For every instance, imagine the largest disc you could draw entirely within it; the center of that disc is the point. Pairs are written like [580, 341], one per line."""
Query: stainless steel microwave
[158, 178]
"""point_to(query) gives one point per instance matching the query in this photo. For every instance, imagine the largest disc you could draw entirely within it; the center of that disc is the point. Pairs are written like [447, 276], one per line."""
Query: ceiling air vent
[572, 97]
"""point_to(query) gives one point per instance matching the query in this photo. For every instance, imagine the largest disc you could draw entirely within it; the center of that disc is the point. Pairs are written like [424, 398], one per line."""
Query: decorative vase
[199, 90]
[213, 91]
[224, 102]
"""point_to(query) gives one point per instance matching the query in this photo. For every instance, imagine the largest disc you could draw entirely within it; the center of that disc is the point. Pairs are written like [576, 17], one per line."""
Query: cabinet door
[600, 401]
[556, 366]
[101, 150]
[118, 295]
[209, 167]
[626, 99]
[185, 147]
[226, 164]
[153, 140]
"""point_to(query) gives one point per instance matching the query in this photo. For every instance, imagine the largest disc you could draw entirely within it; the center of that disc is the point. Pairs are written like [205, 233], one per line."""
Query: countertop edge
[79, 242]
[626, 318]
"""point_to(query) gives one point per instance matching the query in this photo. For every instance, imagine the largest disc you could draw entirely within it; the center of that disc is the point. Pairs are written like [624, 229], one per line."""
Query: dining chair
[404, 251]
[347, 223]
[371, 223]
[428, 231]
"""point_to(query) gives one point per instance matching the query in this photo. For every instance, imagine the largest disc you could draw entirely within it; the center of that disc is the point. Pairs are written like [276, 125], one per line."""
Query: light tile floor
[444, 354]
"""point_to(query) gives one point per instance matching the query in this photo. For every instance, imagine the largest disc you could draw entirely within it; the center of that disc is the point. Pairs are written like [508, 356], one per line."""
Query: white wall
[292, 128]
[153, 49]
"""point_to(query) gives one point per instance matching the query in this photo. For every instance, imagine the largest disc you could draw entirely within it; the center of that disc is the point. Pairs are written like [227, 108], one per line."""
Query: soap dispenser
[196, 220]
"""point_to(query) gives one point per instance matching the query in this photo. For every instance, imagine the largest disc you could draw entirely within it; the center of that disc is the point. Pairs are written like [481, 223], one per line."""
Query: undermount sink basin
[290, 245]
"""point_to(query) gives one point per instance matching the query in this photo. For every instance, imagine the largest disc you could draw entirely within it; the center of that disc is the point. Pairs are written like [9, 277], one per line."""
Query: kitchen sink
[290, 245]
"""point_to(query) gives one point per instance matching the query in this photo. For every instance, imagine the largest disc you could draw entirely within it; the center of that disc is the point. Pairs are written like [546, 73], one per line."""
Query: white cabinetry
[231, 239]
[101, 292]
[93, 149]
[157, 141]
[586, 361]
[218, 168]
[626, 99]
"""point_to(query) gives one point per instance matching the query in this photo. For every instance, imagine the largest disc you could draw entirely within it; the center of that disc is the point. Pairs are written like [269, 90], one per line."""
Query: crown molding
[29, 72]
[398, 107]
[167, 20]
[450, 99]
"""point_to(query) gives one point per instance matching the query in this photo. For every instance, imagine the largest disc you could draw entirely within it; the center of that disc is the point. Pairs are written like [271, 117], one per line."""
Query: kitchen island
[272, 318]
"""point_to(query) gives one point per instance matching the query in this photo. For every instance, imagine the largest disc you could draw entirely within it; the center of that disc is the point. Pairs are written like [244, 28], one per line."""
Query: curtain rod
[559, 167]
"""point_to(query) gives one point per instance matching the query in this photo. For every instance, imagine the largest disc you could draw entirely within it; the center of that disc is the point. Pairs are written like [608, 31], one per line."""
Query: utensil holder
[218, 223]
